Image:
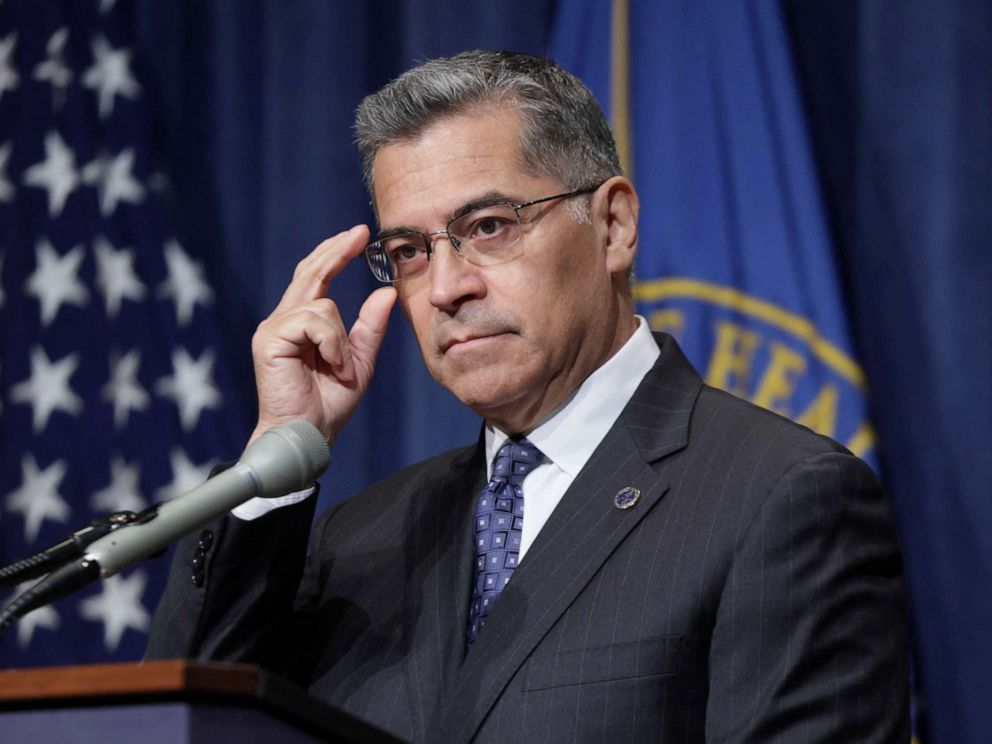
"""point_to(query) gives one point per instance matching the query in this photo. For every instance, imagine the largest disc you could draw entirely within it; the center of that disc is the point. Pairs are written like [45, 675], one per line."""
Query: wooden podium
[167, 701]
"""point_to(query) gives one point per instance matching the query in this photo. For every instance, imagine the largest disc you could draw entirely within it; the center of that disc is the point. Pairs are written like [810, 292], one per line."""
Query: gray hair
[564, 136]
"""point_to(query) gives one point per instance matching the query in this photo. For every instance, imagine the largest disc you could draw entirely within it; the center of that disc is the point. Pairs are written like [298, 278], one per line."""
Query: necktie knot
[514, 461]
[499, 518]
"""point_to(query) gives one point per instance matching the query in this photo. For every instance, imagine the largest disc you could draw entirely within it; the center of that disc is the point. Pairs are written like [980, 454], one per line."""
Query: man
[688, 567]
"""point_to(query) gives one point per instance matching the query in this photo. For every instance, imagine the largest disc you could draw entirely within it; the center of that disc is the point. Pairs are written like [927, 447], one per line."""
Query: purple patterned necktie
[499, 517]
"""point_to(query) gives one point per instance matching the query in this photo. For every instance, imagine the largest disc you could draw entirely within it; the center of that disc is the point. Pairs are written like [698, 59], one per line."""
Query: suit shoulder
[398, 492]
[776, 468]
[437, 466]
[722, 416]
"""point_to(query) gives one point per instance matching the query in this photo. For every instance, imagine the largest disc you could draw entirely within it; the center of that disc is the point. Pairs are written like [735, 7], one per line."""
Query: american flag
[113, 392]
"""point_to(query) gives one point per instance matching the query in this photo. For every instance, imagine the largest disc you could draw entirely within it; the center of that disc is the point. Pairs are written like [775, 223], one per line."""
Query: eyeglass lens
[481, 237]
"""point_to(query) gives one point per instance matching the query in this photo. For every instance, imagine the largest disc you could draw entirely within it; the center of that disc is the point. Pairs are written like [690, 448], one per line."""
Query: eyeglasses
[485, 236]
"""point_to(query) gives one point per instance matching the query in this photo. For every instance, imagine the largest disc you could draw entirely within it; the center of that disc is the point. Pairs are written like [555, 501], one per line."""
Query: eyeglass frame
[429, 238]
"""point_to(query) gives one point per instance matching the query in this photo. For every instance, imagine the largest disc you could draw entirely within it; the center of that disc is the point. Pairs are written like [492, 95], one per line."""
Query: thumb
[369, 330]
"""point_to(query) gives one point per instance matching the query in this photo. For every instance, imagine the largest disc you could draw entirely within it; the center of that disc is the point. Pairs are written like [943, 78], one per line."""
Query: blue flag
[734, 253]
[114, 394]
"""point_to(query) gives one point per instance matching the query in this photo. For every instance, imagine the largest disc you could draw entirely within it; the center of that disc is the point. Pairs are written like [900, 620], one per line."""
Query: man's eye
[405, 252]
[489, 227]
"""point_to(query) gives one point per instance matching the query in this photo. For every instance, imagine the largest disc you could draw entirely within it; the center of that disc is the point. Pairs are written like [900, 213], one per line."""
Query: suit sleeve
[241, 606]
[810, 638]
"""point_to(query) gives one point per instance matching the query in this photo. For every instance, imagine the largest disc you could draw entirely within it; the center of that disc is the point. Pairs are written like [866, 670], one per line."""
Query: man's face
[513, 340]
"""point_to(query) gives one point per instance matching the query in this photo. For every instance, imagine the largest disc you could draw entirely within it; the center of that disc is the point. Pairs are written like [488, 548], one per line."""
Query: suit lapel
[439, 559]
[580, 535]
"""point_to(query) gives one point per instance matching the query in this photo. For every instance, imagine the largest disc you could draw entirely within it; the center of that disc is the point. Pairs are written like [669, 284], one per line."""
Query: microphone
[286, 458]
[75, 545]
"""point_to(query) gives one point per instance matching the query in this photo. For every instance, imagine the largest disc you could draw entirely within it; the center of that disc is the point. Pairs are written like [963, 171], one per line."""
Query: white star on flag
[54, 70]
[118, 607]
[115, 275]
[112, 177]
[110, 75]
[123, 390]
[55, 280]
[47, 389]
[6, 187]
[8, 75]
[191, 386]
[185, 284]
[38, 497]
[185, 475]
[44, 617]
[124, 491]
[56, 173]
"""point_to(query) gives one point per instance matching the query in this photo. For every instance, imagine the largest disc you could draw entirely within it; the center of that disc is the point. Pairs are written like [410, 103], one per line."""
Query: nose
[453, 280]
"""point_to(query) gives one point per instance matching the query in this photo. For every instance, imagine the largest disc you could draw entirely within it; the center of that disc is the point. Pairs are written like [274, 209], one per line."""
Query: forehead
[452, 162]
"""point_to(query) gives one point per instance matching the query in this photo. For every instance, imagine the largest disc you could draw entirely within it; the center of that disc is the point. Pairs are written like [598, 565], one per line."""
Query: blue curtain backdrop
[250, 107]
[899, 102]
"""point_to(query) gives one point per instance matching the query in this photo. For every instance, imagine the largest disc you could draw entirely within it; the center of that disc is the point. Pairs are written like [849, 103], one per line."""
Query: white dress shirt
[573, 432]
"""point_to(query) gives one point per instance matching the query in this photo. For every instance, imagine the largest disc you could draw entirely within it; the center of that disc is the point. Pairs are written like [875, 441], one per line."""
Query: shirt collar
[574, 430]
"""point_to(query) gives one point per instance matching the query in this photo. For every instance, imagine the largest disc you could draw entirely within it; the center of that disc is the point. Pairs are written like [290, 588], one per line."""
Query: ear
[617, 208]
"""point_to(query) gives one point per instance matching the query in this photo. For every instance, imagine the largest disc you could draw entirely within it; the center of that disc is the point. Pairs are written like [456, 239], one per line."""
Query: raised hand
[306, 365]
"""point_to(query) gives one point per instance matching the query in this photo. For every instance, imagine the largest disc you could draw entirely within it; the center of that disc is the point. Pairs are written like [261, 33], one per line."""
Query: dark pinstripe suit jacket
[754, 592]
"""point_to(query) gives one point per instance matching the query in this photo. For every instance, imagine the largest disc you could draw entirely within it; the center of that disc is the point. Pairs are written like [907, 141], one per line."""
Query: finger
[314, 325]
[314, 273]
[369, 330]
[332, 342]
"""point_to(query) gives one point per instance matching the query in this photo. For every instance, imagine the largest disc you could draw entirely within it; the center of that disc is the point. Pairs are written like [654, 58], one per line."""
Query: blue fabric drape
[899, 95]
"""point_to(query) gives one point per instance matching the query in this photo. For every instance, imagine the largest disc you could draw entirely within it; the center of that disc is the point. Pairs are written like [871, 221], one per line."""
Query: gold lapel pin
[626, 497]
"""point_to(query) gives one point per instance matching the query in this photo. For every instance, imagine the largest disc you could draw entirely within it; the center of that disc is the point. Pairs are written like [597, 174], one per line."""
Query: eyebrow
[486, 200]
[394, 231]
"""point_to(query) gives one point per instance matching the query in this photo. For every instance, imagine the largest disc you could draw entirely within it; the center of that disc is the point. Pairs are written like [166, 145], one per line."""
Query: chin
[486, 393]
[482, 399]
[490, 381]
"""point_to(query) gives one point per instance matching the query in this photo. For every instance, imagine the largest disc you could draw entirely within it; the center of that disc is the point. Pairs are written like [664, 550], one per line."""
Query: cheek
[418, 314]
[568, 291]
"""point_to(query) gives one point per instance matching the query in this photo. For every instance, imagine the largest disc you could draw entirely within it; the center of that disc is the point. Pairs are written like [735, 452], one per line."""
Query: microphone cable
[61, 582]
